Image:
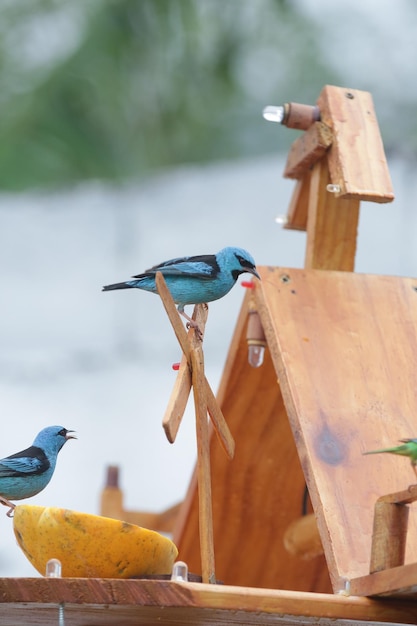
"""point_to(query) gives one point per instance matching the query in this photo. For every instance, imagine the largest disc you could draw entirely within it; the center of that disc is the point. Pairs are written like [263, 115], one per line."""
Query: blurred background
[131, 132]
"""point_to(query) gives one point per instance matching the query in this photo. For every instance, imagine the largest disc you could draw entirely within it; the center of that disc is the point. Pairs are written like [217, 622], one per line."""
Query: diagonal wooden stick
[193, 363]
[182, 388]
[178, 401]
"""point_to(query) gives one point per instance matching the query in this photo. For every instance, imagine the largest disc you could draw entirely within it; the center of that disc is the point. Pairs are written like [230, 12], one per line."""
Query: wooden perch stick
[182, 388]
[178, 401]
[203, 467]
[191, 374]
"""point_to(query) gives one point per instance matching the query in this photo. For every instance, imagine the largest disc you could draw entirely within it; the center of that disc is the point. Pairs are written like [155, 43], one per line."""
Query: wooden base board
[396, 582]
[105, 602]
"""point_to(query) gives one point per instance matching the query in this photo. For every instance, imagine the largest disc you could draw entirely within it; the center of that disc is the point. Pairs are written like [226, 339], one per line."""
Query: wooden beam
[298, 208]
[307, 150]
[205, 516]
[356, 158]
[388, 536]
[332, 225]
[390, 529]
[396, 582]
[344, 347]
[101, 602]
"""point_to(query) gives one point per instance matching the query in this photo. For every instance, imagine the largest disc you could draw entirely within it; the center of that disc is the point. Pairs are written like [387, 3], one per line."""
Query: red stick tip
[248, 284]
[176, 366]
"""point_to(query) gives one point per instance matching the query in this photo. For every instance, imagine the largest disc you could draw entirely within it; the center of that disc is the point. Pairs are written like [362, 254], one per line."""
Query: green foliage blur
[94, 89]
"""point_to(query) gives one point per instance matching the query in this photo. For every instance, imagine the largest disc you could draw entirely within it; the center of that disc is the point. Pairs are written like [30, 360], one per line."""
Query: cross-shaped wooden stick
[191, 375]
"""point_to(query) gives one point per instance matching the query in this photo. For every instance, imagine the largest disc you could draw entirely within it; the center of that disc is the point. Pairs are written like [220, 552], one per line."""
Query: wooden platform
[343, 347]
[254, 501]
[99, 602]
[345, 350]
[339, 378]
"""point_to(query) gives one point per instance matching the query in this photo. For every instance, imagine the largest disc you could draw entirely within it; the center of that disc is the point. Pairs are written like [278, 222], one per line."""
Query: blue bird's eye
[244, 262]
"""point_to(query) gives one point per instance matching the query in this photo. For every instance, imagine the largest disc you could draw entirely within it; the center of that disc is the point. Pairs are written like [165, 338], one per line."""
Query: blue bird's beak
[254, 272]
[68, 436]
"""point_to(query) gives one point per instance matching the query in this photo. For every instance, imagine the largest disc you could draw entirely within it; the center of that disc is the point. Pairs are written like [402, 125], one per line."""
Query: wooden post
[390, 529]
[203, 467]
[388, 536]
[205, 404]
[332, 225]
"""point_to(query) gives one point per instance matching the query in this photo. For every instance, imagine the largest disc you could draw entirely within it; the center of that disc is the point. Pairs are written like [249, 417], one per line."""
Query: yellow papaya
[90, 545]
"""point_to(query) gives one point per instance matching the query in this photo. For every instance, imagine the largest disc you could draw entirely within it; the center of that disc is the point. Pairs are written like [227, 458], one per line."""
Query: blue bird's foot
[9, 504]
[191, 323]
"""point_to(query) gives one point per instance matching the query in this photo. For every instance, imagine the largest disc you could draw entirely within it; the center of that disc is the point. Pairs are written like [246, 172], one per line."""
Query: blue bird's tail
[117, 286]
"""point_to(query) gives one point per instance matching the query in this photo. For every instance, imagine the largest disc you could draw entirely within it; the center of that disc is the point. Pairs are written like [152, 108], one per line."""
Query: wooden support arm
[390, 529]
[111, 505]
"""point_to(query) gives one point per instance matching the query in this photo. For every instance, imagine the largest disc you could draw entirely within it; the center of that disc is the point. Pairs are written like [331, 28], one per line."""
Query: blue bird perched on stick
[26, 473]
[195, 279]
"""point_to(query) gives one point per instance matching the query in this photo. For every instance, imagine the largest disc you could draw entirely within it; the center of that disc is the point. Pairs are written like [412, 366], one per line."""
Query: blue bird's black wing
[28, 462]
[203, 266]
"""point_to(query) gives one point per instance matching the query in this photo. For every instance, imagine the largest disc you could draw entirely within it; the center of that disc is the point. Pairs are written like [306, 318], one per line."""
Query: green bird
[409, 448]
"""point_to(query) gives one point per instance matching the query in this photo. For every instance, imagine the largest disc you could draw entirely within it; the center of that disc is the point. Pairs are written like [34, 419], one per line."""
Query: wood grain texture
[332, 225]
[205, 515]
[345, 350]
[298, 208]
[389, 535]
[307, 149]
[178, 400]
[396, 582]
[258, 494]
[356, 157]
[98, 602]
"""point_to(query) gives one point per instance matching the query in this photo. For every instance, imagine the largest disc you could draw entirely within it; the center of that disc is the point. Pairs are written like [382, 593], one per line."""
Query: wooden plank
[397, 582]
[406, 496]
[178, 401]
[307, 150]
[332, 225]
[172, 418]
[388, 536]
[98, 602]
[298, 208]
[345, 352]
[390, 530]
[356, 158]
[205, 512]
[249, 492]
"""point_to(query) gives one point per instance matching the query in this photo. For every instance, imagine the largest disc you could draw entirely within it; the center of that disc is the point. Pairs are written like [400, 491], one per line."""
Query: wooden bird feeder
[305, 528]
